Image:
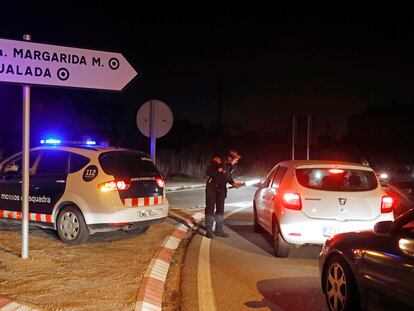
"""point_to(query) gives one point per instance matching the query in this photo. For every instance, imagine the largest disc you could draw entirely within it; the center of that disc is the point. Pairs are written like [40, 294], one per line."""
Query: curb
[175, 188]
[7, 304]
[150, 293]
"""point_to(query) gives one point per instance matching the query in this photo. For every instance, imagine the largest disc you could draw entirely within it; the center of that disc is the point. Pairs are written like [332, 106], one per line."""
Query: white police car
[81, 190]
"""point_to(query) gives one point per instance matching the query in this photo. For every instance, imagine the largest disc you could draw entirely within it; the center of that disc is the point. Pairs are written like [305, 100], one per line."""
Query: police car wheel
[71, 226]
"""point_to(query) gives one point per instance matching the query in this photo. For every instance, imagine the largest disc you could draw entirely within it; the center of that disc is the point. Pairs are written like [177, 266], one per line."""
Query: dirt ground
[103, 274]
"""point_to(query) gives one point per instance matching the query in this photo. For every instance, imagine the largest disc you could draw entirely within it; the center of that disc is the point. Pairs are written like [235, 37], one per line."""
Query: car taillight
[292, 201]
[160, 182]
[336, 171]
[115, 185]
[387, 204]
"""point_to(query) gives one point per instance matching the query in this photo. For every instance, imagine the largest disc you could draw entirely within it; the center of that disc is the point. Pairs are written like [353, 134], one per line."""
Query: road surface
[240, 272]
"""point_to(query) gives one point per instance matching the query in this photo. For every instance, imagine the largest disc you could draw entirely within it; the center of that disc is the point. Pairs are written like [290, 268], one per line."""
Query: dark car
[372, 270]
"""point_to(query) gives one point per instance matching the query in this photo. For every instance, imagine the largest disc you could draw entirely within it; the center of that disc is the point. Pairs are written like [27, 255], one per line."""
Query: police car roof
[86, 149]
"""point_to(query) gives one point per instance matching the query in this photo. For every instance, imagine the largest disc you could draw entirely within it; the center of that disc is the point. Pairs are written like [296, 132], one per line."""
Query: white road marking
[206, 300]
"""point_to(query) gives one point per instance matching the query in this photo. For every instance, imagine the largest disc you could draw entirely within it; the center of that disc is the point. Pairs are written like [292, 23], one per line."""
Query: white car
[82, 190]
[306, 202]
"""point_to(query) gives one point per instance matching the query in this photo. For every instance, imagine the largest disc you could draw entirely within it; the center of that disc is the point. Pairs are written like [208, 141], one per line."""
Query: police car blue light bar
[50, 141]
[90, 142]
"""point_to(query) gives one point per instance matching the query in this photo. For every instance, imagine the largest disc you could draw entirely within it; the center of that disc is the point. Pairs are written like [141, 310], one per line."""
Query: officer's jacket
[215, 176]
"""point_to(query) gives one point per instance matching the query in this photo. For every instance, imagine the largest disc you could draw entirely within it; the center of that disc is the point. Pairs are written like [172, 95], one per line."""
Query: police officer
[219, 173]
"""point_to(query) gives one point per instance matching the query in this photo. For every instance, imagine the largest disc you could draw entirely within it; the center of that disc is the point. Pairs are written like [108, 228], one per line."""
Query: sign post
[28, 63]
[26, 168]
[153, 113]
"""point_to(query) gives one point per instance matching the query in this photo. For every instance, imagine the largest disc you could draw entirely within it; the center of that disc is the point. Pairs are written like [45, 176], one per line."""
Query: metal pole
[26, 168]
[293, 138]
[152, 129]
[308, 139]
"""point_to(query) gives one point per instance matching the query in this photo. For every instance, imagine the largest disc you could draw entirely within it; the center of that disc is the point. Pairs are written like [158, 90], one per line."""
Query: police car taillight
[115, 185]
[160, 182]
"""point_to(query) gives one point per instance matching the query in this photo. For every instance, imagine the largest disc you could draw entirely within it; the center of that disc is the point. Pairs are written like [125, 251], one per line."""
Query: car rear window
[336, 179]
[127, 164]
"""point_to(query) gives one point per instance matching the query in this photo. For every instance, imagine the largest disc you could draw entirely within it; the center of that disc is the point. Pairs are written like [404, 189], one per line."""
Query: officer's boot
[209, 227]
[219, 227]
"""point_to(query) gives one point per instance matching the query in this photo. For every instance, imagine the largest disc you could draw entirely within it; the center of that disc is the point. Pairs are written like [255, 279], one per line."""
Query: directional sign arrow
[26, 62]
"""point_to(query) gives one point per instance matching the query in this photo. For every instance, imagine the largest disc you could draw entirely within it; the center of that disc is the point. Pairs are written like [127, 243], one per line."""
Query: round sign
[90, 173]
[163, 118]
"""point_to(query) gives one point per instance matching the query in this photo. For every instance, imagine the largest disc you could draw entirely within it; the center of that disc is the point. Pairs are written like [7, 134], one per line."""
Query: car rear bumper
[122, 214]
[317, 231]
[107, 227]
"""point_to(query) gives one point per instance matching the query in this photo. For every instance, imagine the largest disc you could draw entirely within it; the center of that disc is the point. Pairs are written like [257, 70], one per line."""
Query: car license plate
[149, 213]
[329, 231]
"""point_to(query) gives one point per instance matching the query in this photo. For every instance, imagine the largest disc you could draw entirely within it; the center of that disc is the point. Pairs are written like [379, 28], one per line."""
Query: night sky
[270, 63]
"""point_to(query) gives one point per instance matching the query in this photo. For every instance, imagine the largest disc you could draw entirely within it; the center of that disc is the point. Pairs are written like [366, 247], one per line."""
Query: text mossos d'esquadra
[33, 199]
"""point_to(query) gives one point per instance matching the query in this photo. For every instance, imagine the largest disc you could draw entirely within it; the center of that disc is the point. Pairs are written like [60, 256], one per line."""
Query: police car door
[49, 181]
[11, 184]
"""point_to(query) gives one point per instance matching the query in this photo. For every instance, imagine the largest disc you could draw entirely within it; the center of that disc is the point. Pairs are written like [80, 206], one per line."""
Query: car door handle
[60, 181]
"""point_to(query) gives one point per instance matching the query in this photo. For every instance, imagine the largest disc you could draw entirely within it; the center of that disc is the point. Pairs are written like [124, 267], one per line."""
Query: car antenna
[120, 142]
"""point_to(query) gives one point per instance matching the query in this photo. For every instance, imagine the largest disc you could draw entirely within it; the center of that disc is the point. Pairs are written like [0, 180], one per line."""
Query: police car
[81, 190]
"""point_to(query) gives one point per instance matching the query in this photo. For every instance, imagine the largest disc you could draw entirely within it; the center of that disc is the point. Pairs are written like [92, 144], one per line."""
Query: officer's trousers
[215, 197]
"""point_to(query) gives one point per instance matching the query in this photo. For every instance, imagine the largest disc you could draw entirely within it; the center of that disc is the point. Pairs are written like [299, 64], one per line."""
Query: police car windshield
[127, 164]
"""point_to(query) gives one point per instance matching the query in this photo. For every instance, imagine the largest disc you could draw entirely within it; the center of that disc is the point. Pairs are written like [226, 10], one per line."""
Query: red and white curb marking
[150, 293]
[7, 304]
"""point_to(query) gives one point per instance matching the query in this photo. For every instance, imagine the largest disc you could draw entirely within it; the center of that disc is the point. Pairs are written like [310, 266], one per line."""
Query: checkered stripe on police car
[146, 201]
[32, 216]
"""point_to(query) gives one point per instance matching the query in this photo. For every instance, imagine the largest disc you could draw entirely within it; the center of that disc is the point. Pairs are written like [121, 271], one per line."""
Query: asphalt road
[240, 272]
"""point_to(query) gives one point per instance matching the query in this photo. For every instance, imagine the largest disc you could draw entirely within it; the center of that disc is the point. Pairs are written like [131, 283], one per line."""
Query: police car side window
[77, 162]
[53, 162]
[14, 166]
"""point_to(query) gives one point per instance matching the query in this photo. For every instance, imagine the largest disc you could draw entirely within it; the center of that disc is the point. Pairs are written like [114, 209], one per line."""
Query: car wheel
[280, 247]
[71, 226]
[339, 286]
[256, 226]
[138, 230]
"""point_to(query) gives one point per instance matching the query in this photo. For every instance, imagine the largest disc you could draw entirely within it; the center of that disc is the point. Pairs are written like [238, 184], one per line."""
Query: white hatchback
[306, 202]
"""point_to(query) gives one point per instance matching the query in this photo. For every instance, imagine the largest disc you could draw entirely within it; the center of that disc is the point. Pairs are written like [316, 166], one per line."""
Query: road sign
[26, 62]
[154, 120]
[163, 118]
